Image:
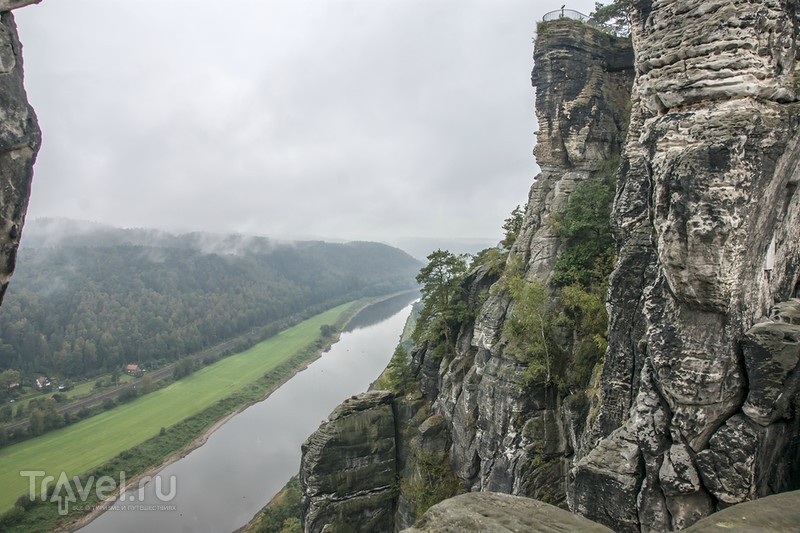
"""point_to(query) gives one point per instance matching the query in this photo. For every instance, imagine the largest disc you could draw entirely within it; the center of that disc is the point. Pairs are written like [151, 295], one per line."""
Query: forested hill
[94, 298]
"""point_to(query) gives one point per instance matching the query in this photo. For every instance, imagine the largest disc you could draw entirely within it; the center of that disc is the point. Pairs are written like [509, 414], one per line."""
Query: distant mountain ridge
[88, 297]
[51, 232]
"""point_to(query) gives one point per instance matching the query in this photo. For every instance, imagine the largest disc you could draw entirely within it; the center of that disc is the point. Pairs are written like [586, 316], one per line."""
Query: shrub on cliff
[586, 227]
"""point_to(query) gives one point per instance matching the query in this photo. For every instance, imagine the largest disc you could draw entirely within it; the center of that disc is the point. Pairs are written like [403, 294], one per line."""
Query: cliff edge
[20, 139]
[702, 354]
[686, 403]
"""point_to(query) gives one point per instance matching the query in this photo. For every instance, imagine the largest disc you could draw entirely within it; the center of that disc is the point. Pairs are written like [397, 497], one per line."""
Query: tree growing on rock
[441, 290]
[512, 226]
[614, 17]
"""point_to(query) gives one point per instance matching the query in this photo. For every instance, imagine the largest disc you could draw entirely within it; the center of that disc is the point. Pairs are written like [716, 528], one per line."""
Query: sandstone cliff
[19, 142]
[510, 436]
[474, 410]
[694, 406]
[700, 370]
[356, 443]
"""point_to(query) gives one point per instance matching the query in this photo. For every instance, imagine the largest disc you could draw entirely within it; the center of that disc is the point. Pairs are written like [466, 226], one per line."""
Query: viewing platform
[566, 14]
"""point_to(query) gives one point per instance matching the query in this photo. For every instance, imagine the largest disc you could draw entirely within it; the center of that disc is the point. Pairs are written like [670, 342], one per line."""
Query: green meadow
[83, 446]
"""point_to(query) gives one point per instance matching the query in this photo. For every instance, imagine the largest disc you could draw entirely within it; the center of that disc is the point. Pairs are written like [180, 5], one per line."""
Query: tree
[8, 379]
[398, 372]
[528, 329]
[146, 384]
[585, 224]
[36, 424]
[183, 368]
[52, 419]
[441, 293]
[614, 17]
[512, 226]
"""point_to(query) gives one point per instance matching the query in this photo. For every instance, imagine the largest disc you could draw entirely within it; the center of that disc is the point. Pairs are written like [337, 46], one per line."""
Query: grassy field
[82, 446]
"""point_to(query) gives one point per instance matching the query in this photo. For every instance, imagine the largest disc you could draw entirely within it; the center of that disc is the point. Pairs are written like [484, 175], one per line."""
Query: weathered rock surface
[348, 467]
[707, 231]
[495, 512]
[778, 513]
[500, 513]
[772, 358]
[612, 495]
[508, 437]
[19, 143]
[582, 78]
[696, 407]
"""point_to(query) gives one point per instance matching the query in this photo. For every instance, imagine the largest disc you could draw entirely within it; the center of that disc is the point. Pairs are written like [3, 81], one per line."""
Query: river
[221, 485]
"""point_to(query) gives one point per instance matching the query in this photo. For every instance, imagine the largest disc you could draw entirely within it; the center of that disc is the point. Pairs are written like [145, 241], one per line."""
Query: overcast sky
[351, 119]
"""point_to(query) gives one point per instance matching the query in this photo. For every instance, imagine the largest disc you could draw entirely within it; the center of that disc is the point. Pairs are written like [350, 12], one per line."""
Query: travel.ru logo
[68, 492]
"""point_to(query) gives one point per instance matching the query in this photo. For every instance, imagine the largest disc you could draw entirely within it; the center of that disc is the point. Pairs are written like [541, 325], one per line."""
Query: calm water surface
[221, 485]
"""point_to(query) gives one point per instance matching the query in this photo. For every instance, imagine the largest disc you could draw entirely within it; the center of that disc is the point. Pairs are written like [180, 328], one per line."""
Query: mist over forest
[89, 298]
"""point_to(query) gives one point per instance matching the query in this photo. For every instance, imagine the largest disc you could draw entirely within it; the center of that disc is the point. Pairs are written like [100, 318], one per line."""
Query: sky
[342, 119]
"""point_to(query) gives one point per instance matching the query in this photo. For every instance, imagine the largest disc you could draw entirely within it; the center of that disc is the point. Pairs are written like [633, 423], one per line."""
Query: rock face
[698, 381]
[695, 407]
[19, 143]
[508, 437]
[348, 467]
[477, 413]
[500, 513]
[582, 78]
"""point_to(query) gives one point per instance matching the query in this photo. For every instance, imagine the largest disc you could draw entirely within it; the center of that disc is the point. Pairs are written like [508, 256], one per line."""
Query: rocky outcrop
[500, 513]
[507, 436]
[695, 407]
[19, 142]
[698, 383]
[348, 467]
[504, 513]
[582, 78]
[774, 514]
[477, 413]
[374, 462]
[772, 359]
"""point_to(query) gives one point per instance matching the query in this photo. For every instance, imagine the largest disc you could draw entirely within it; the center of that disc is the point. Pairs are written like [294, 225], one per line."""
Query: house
[42, 382]
[132, 369]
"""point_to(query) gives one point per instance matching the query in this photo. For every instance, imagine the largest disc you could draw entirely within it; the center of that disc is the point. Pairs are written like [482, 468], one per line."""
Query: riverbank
[181, 437]
[282, 512]
[342, 323]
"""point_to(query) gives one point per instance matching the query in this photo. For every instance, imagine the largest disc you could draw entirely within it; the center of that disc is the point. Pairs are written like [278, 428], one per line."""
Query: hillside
[92, 298]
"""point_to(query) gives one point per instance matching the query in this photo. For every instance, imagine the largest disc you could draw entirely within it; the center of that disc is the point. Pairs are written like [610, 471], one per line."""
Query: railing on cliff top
[566, 14]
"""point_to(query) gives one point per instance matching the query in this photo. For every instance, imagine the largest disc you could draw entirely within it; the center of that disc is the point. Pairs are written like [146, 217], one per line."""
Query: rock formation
[348, 466]
[698, 380]
[19, 142]
[500, 513]
[508, 437]
[474, 410]
[694, 407]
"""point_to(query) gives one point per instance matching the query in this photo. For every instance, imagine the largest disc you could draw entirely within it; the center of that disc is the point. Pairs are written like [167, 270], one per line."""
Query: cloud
[341, 118]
